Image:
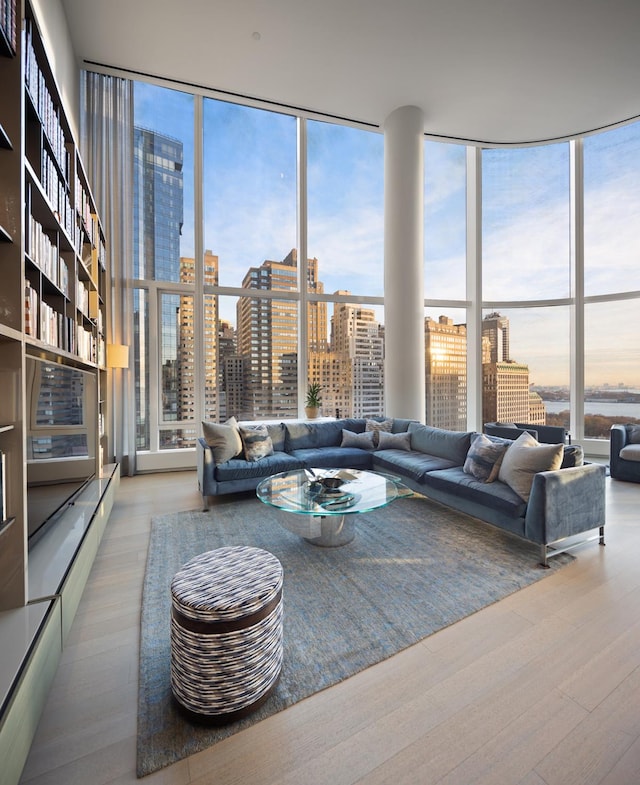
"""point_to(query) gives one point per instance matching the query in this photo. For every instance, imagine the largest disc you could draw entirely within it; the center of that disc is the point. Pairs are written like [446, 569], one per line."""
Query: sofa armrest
[617, 439]
[205, 467]
[566, 502]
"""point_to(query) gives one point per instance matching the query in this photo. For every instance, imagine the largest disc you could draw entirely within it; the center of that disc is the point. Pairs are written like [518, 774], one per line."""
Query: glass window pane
[526, 223]
[445, 220]
[250, 198]
[346, 207]
[256, 359]
[525, 364]
[163, 188]
[445, 338]
[141, 366]
[611, 211]
[177, 438]
[177, 359]
[611, 366]
[348, 363]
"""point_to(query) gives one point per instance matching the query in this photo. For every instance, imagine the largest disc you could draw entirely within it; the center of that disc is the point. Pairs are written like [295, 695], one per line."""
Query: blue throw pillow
[484, 458]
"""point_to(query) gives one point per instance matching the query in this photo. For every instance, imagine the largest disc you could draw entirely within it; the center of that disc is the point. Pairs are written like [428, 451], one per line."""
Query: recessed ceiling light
[256, 36]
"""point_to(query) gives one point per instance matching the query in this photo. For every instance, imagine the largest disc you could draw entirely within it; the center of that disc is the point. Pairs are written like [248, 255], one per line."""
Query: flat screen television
[61, 439]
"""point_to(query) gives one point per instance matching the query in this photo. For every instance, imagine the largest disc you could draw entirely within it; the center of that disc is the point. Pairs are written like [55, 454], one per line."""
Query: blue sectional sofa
[561, 503]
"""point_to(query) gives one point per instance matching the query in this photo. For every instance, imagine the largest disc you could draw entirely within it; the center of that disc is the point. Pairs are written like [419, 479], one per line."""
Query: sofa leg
[601, 538]
[205, 501]
[544, 562]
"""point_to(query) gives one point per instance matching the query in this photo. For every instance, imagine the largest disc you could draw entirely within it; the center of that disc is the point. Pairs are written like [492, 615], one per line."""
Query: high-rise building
[506, 396]
[357, 340]
[505, 392]
[157, 205]
[446, 373]
[496, 328]
[267, 334]
[157, 226]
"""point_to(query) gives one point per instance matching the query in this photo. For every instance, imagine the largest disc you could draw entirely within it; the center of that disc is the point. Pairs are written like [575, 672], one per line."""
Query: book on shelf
[8, 22]
[3, 488]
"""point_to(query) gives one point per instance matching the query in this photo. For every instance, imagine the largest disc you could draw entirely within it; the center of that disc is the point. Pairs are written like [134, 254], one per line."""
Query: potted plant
[313, 400]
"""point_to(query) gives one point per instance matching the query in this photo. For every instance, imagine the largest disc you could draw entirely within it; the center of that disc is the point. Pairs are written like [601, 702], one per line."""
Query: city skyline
[346, 217]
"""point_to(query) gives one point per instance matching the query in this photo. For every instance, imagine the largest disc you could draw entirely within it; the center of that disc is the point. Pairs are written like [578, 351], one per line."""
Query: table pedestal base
[335, 530]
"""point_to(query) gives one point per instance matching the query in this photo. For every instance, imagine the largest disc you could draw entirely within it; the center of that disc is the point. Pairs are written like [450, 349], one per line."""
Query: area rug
[413, 568]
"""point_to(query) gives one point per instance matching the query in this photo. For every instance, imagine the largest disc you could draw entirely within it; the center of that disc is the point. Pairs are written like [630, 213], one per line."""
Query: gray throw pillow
[256, 442]
[365, 440]
[378, 425]
[394, 441]
[484, 458]
[524, 459]
[224, 440]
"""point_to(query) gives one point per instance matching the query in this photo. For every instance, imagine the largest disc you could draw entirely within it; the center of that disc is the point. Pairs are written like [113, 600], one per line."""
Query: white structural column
[403, 263]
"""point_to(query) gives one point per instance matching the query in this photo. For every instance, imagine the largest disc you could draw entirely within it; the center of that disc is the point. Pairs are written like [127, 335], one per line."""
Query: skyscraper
[157, 205]
[357, 340]
[446, 373]
[267, 331]
[496, 328]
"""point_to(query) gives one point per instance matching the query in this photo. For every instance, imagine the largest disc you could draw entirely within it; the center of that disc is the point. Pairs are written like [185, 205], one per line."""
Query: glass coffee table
[325, 502]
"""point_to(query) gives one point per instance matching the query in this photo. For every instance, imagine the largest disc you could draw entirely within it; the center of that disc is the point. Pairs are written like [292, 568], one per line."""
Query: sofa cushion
[484, 458]
[633, 434]
[256, 442]
[334, 457]
[224, 440]
[524, 459]
[239, 469]
[306, 435]
[496, 495]
[277, 433]
[414, 465]
[393, 441]
[630, 452]
[452, 445]
[365, 441]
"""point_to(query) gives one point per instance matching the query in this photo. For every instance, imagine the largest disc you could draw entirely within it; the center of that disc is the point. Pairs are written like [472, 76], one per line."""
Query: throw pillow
[393, 441]
[633, 434]
[365, 440]
[256, 442]
[524, 459]
[484, 458]
[224, 440]
[378, 425]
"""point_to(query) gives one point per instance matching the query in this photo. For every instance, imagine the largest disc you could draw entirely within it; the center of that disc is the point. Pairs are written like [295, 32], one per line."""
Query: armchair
[624, 452]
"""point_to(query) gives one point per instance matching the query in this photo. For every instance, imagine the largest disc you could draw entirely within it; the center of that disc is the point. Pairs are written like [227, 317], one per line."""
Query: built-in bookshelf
[52, 337]
[52, 267]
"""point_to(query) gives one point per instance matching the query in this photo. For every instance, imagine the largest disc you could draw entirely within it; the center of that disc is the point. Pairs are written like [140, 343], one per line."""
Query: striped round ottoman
[226, 632]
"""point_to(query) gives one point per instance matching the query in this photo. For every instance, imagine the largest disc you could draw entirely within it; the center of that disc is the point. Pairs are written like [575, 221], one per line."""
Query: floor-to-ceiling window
[164, 268]
[526, 283]
[345, 249]
[445, 326]
[611, 279]
[220, 219]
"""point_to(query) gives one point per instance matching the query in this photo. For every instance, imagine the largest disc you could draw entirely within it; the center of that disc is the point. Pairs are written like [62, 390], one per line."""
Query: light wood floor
[542, 687]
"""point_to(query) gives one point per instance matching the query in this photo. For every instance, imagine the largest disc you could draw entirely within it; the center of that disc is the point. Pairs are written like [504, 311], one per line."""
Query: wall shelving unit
[52, 282]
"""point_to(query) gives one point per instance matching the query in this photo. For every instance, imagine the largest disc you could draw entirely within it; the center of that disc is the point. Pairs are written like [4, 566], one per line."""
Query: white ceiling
[501, 71]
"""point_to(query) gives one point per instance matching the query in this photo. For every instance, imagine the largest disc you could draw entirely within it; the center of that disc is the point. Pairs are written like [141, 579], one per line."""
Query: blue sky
[250, 174]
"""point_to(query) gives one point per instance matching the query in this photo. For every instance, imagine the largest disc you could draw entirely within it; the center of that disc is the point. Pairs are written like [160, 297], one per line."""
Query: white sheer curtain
[106, 143]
